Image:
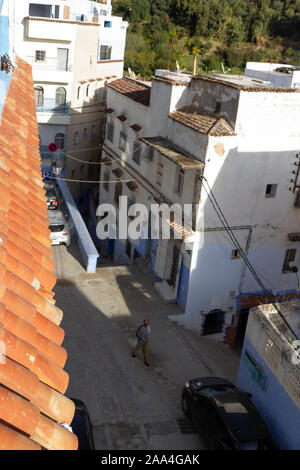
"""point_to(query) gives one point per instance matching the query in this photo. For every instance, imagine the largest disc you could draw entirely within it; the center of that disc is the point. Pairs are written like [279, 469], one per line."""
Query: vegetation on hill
[231, 32]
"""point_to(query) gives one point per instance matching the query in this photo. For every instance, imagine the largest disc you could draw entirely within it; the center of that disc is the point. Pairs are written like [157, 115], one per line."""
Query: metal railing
[49, 106]
[48, 64]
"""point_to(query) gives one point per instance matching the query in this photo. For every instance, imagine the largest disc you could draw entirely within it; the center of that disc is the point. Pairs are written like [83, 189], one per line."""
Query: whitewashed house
[74, 47]
[185, 138]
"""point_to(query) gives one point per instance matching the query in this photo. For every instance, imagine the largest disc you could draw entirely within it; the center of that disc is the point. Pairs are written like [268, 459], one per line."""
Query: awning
[170, 151]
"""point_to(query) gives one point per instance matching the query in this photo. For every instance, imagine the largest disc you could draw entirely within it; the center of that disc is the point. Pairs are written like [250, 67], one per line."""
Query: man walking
[142, 335]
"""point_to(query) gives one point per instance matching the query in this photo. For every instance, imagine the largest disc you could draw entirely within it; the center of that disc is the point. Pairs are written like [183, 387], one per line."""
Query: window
[290, 256]
[60, 96]
[85, 134]
[94, 134]
[107, 24]
[106, 178]
[87, 89]
[235, 254]
[76, 138]
[104, 53]
[40, 56]
[118, 193]
[110, 131]
[217, 107]
[122, 141]
[78, 92]
[39, 95]
[148, 153]
[43, 11]
[271, 190]
[136, 153]
[179, 182]
[60, 141]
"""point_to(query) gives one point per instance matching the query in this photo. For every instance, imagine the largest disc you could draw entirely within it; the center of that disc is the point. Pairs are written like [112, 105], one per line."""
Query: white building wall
[238, 170]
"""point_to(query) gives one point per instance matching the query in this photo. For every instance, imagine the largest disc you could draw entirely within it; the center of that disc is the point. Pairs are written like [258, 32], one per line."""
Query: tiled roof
[250, 301]
[132, 89]
[32, 379]
[203, 123]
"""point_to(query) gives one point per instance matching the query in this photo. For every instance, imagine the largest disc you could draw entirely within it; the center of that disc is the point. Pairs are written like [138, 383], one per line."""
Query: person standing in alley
[142, 335]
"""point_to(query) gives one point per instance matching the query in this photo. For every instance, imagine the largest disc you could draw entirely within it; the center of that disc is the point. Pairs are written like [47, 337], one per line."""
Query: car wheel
[185, 406]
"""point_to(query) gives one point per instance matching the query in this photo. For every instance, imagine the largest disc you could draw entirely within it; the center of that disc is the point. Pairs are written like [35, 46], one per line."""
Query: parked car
[82, 426]
[59, 227]
[52, 197]
[224, 415]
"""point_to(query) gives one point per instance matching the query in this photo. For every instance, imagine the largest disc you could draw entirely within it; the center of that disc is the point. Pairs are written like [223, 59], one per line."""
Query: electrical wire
[89, 181]
[88, 163]
[236, 243]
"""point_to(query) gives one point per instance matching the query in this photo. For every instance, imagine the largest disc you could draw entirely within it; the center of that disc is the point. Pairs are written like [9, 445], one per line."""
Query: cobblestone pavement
[131, 406]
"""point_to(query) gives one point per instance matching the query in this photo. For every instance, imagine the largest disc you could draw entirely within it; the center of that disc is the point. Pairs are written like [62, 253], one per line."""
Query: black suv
[224, 415]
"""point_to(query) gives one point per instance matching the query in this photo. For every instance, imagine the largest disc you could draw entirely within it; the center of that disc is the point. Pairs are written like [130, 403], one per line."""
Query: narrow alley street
[131, 406]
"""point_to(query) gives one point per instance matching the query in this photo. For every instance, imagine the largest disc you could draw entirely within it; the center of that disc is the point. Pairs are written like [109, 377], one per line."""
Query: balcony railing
[49, 64]
[50, 106]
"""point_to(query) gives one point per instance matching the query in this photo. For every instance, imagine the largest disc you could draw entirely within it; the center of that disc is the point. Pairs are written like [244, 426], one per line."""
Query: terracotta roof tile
[132, 89]
[203, 123]
[32, 378]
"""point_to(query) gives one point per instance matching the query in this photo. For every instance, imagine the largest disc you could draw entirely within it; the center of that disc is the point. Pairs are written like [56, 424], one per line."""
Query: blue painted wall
[120, 255]
[183, 285]
[278, 410]
[4, 49]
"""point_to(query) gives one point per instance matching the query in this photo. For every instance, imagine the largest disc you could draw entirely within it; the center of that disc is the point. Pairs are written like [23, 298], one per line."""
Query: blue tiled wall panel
[278, 410]
[183, 286]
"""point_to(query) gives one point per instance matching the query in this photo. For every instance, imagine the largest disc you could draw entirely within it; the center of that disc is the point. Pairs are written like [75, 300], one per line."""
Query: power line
[89, 181]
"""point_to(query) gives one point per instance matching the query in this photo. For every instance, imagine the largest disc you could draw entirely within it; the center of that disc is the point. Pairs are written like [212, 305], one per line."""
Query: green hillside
[231, 32]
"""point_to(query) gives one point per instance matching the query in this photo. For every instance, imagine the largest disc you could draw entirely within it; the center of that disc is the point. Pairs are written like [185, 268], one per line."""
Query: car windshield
[51, 193]
[215, 389]
[56, 228]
